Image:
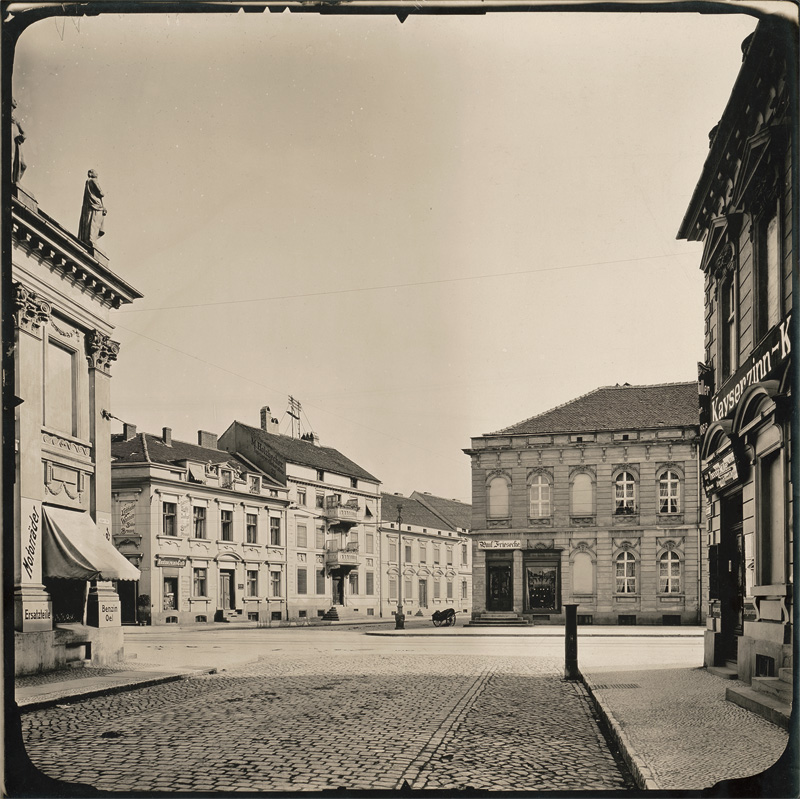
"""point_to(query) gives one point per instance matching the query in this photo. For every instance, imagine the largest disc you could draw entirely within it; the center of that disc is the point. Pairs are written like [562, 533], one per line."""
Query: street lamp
[399, 618]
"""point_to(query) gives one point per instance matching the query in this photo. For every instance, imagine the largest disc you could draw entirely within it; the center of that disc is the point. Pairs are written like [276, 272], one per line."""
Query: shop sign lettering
[765, 359]
[720, 472]
[499, 544]
[33, 537]
[36, 614]
[170, 560]
[127, 518]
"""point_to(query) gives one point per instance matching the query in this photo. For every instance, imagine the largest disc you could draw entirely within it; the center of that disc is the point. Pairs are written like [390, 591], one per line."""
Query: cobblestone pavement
[690, 736]
[350, 721]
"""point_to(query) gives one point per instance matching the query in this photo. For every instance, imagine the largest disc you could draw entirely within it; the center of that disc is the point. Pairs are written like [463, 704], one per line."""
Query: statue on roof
[18, 164]
[92, 212]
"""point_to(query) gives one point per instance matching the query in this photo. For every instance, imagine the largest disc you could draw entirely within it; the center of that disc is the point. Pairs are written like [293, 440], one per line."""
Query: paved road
[372, 713]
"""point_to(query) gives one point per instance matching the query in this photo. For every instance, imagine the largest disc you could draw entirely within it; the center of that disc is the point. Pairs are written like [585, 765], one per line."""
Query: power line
[401, 285]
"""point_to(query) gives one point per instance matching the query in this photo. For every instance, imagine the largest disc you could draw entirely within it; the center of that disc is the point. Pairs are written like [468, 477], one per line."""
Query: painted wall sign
[170, 560]
[764, 361]
[720, 471]
[31, 538]
[705, 388]
[500, 544]
[127, 517]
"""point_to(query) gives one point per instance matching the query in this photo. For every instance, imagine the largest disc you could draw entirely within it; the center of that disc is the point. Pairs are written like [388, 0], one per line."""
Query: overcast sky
[423, 231]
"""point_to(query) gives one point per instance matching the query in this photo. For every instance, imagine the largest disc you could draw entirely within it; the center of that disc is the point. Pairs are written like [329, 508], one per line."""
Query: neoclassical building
[206, 528]
[744, 210]
[66, 608]
[596, 502]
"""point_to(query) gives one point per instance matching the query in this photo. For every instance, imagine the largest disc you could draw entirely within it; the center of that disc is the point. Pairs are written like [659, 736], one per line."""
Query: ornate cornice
[101, 350]
[30, 311]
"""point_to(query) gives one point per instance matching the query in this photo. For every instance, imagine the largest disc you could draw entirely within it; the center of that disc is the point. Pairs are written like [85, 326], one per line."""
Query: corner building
[744, 210]
[596, 502]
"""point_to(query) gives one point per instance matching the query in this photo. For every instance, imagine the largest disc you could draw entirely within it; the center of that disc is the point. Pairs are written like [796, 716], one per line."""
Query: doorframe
[505, 559]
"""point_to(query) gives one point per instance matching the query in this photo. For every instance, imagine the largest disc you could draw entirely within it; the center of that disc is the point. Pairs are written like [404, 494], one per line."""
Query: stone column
[32, 605]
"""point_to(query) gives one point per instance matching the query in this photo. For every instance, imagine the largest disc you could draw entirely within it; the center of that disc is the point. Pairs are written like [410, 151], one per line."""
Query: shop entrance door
[226, 590]
[731, 576]
[423, 593]
[170, 593]
[128, 591]
[337, 587]
[499, 585]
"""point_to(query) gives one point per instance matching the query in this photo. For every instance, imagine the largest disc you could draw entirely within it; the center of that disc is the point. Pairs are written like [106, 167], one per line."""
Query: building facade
[426, 558]
[597, 503]
[333, 555]
[743, 209]
[206, 528]
[65, 605]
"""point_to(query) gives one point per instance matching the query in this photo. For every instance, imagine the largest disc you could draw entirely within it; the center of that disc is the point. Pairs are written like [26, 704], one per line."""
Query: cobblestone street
[350, 721]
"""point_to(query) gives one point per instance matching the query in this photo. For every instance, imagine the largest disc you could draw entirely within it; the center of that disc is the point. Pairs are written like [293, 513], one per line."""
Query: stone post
[571, 671]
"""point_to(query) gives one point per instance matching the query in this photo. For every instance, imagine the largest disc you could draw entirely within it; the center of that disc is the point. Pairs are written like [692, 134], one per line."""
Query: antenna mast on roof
[294, 411]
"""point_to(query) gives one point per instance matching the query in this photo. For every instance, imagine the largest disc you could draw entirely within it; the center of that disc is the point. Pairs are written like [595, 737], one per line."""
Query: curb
[636, 764]
[558, 632]
[33, 703]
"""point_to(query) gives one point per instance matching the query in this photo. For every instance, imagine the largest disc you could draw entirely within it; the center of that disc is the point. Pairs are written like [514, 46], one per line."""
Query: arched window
[626, 573]
[539, 494]
[669, 573]
[624, 494]
[669, 496]
[582, 499]
[498, 498]
[582, 574]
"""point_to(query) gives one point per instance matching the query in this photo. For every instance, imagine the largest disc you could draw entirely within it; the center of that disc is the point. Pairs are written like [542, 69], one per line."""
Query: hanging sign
[720, 472]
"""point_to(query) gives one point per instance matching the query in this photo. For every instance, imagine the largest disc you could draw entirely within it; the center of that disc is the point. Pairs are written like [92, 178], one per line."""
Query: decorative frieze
[101, 350]
[582, 521]
[67, 445]
[30, 311]
[494, 524]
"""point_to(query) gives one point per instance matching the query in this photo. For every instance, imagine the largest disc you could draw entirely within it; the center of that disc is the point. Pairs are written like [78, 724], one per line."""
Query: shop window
[252, 582]
[497, 498]
[169, 515]
[625, 573]
[582, 495]
[302, 536]
[771, 534]
[767, 268]
[275, 531]
[199, 521]
[669, 498]
[669, 573]
[539, 497]
[624, 494]
[302, 580]
[252, 528]
[200, 582]
[542, 589]
[60, 389]
[226, 525]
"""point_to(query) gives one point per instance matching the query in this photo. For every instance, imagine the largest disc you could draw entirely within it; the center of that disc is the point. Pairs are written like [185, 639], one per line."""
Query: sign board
[170, 560]
[705, 388]
[720, 472]
[500, 544]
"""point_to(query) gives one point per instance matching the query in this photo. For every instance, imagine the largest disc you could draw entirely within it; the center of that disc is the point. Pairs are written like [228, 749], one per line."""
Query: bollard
[571, 671]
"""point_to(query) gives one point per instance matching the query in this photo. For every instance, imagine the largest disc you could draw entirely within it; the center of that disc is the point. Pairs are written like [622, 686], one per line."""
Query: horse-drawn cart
[444, 618]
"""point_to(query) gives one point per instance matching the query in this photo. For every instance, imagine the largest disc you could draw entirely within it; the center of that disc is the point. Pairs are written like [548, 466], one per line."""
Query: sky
[424, 232]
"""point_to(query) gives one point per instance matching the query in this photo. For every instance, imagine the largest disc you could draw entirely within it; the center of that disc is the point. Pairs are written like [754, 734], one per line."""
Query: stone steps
[498, 619]
[773, 686]
[768, 707]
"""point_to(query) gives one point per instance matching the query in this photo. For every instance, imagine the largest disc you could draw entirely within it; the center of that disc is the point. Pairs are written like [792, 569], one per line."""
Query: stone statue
[17, 138]
[92, 212]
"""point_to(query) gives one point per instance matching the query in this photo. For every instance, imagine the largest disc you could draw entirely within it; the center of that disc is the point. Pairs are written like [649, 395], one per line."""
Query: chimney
[314, 439]
[128, 431]
[273, 425]
[265, 417]
[166, 435]
[206, 439]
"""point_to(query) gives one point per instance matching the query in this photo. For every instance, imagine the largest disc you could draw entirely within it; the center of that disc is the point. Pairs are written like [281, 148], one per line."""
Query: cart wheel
[437, 622]
[451, 621]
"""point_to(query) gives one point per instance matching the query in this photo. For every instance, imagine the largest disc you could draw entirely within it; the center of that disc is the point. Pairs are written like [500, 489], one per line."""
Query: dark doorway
[170, 593]
[226, 590]
[499, 585]
[731, 575]
[337, 587]
[128, 591]
[69, 599]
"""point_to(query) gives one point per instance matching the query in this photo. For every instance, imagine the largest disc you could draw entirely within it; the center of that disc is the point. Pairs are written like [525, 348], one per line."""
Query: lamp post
[399, 618]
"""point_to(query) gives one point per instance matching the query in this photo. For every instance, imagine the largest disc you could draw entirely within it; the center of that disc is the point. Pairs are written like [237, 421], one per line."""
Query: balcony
[337, 512]
[338, 556]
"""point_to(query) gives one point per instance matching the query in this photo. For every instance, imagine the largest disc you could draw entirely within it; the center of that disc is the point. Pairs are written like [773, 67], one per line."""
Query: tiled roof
[304, 453]
[617, 407]
[412, 512]
[147, 448]
[456, 513]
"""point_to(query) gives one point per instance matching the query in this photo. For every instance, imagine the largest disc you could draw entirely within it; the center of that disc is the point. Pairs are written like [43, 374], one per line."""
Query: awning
[75, 549]
[197, 473]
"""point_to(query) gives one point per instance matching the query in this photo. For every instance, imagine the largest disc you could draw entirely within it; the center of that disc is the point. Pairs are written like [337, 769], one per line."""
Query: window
[497, 498]
[302, 536]
[669, 493]
[464, 589]
[393, 551]
[669, 573]
[449, 556]
[582, 495]
[771, 539]
[275, 583]
[354, 583]
[275, 531]
[393, 588]
[464, 555]
[353, 482]
[729, 340]
[252, 582]
[369, 543]
[582, 574]
[423, 552]
[199, 521]
[624, 494]
[200, 582]
[319, 534]
[437, 589]
[436, 554]
[320, 500]
[449, 589]
[539, 494]
[302, 580]
[768, 269]
[226, 523]
[60, 391]
[352, 537]
[169, 512]
[301, 496]
[255, 484]
[320, 475]
[320, 581]
[626, 573]
[369, 584]
[407, 552]
[252, 528]
[407, 589]
[226, 478]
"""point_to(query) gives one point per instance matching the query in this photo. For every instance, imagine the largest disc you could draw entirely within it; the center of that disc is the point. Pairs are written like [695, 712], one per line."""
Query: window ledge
[199, 598]
[777, 590]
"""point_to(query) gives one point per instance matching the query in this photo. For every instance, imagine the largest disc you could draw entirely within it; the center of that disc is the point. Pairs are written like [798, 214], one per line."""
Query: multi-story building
[333, 551]
[65, 606]
[597, 503]
[744, 210]
[425, 557]
[205, 526]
